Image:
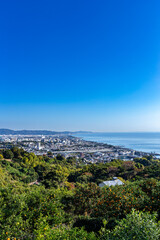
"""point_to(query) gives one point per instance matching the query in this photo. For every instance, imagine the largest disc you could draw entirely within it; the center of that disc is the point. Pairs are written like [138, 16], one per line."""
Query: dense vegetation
[57, 198]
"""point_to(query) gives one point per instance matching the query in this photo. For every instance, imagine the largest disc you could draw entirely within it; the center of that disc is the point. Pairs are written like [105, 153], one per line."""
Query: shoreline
[118, 147]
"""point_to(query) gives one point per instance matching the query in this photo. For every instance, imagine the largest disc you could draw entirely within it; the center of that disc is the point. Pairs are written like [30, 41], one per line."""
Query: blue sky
[80, 65]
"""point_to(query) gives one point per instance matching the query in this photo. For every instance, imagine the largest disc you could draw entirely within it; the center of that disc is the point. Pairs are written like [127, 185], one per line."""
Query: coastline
[148, 143]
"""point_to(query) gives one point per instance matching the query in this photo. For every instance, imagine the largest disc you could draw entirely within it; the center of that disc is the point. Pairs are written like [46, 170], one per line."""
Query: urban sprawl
[70, 146]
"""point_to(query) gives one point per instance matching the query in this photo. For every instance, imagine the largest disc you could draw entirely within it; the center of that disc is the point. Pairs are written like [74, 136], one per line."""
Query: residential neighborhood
[70, 146]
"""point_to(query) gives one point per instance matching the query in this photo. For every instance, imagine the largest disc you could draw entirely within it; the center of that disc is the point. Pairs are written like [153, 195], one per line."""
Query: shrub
[62, 232]
[89, 224]
[137, 225]
[8, 154]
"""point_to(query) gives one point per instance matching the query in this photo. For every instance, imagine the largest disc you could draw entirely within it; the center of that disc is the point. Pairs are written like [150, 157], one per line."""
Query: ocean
[146, 142]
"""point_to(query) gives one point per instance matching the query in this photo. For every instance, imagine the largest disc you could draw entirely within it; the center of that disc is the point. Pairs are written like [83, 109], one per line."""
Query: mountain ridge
[5, 131]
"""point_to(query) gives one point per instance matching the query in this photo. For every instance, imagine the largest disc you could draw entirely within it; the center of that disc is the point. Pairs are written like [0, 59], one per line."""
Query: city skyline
[88, 66]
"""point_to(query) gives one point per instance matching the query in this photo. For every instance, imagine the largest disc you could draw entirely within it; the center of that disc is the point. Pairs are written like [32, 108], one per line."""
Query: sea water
[146, 142]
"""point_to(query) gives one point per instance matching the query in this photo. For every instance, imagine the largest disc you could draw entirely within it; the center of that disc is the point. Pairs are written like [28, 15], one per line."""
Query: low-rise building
[113, 182]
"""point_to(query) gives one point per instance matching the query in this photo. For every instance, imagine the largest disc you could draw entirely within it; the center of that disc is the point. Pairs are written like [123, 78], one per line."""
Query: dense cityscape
[70, 146]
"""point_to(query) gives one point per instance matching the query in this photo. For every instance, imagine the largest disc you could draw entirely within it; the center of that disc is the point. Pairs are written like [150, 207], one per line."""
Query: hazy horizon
[85, 131]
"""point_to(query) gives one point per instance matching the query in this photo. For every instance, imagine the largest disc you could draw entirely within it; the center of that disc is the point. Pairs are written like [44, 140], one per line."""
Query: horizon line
[87, 131]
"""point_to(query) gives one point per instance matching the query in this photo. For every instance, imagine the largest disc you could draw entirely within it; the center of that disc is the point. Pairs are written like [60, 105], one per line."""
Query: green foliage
[89, 224]
[115, 202]
[56, 176]
[20, 213]
[60, 157]
[8, 154]
[137, 225]
[152, 171]
[18, 152]
[144, 161]
[62, 233]
[67, 202]
[5, 179]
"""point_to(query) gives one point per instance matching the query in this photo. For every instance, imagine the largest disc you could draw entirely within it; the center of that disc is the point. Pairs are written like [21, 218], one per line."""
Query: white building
[113, 182]
[38, 145]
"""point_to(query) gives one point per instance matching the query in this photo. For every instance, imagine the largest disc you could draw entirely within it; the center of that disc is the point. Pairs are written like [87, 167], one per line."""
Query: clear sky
[80, 65]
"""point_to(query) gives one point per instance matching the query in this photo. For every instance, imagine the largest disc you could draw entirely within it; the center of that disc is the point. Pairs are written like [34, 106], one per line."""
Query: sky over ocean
[80, 65]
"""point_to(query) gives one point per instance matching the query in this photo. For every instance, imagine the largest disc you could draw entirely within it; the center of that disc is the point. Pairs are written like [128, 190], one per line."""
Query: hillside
[34, 132]
[58, 198]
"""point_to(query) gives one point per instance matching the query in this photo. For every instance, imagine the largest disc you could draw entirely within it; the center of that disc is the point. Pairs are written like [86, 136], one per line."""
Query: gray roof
[114, 182]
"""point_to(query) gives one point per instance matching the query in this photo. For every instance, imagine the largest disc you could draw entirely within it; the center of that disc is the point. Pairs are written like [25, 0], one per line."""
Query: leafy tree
[137, 225]
[59, 157]
[17, 152]
[49, 153]
[56, 176]
[8, 154]
[144, 161]
[71, 160]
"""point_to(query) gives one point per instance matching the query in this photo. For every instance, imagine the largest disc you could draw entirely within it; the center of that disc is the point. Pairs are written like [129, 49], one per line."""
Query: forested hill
[46, 198]
[34, 132]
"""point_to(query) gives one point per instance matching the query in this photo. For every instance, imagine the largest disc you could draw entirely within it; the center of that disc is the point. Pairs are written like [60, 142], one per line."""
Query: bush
[62, 233]
[21, 214]
[89, 224]
[137, 225]
[8, 154]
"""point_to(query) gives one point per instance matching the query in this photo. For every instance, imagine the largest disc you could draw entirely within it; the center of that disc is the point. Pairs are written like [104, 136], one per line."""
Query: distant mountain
[35, 132]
